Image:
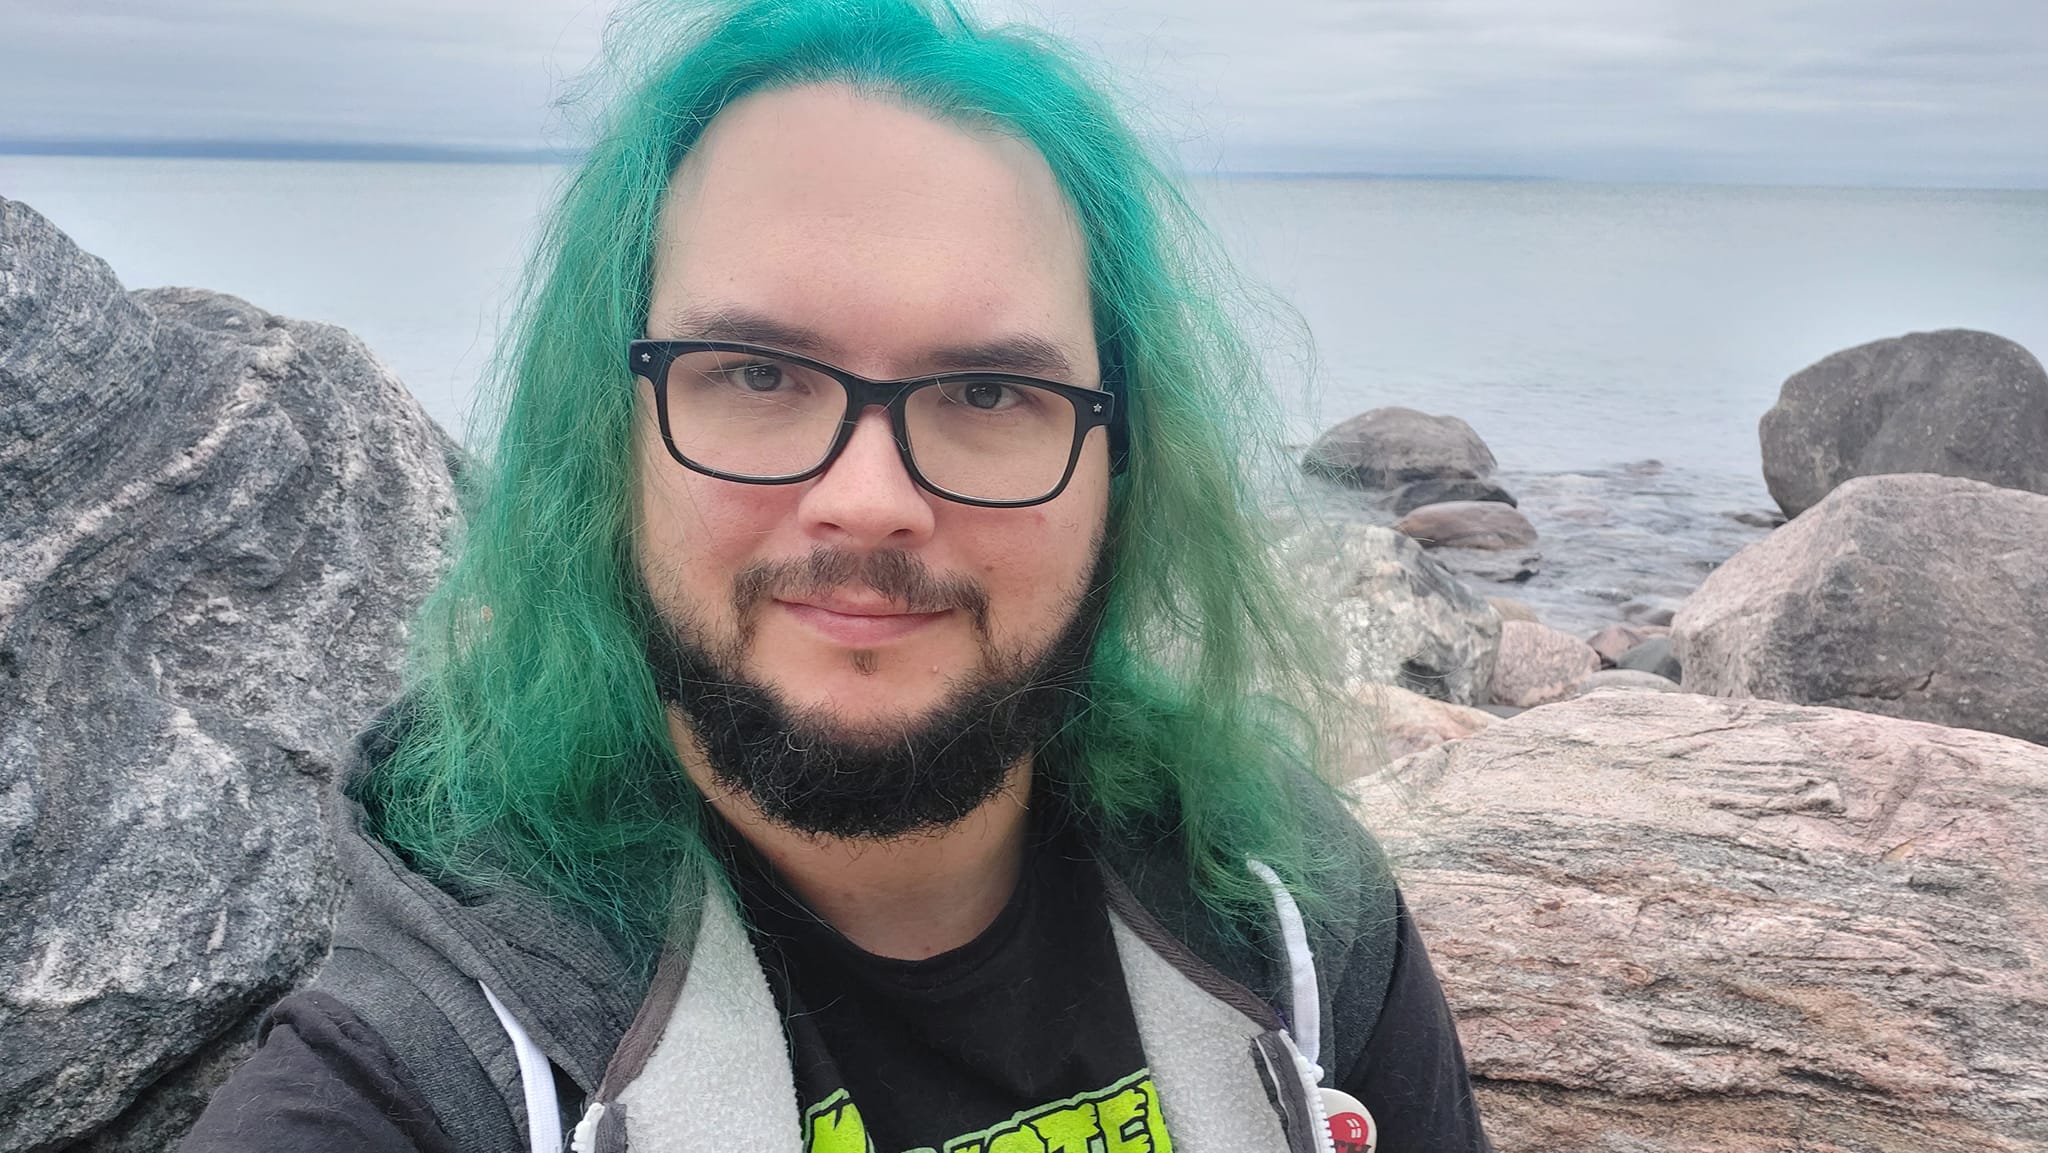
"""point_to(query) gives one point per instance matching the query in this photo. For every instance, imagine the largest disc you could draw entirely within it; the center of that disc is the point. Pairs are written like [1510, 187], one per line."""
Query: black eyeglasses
[755, 415]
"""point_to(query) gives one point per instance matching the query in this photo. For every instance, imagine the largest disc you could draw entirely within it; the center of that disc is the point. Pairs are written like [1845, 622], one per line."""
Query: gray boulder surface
[1953, 402]
[1654, 655]
[1669, 923]
[1401, 618]
[1912, 596]
[213, 522]
[1389, 447]
[1422, 492]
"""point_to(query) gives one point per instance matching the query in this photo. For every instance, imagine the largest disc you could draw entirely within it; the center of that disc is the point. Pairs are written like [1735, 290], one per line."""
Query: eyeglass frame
[1093, 408]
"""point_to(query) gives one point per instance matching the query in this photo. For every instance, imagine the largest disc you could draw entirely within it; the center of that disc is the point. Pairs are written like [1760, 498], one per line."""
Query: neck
[910, 898]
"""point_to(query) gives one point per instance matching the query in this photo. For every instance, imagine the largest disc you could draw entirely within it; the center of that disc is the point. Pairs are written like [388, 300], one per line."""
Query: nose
[867, 500]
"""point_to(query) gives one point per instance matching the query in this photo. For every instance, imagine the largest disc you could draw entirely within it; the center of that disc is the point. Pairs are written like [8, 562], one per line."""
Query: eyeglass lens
[759, 417]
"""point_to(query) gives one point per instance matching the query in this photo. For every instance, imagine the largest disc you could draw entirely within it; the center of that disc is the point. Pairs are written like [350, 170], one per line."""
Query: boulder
[1614, 640]
[213, 524]
[1492, 566]
[1653, 656]
[1630, 680]
[1475, 524]
[1422, 492]
[1539, 664]
[1954, 402]
[1913, 596]
[1389, 447]
[1401, 617]
[1407, 722]
[1672, 924]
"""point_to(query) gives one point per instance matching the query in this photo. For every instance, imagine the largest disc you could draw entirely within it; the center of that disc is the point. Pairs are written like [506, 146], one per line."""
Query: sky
[1940, 93]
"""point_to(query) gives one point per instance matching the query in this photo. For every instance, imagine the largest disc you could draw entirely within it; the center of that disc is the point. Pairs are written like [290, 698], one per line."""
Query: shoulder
[320, 1079]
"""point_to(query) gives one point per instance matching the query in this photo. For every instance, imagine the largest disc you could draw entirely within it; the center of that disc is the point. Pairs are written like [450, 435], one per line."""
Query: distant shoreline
[342, 151]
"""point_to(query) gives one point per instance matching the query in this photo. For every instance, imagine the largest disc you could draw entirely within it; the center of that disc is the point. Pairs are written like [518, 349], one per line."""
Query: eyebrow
[1023, 353]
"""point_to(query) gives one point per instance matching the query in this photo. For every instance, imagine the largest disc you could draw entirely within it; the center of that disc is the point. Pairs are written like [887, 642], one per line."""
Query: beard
[810, 772]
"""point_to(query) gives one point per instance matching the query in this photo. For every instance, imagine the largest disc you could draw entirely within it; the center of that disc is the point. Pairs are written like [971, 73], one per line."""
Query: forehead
[877, 227]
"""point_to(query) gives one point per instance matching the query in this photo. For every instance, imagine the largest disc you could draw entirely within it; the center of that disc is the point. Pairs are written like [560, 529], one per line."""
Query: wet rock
[1539, 664]
[1670, 923]
[1954, 402]
[1470, 524]
[213, 522]
[1489, 566]
[1912, 596]
[1402, 617]
[1425, 492]
[1653, 656]
[1409, 722]
[1389, 447]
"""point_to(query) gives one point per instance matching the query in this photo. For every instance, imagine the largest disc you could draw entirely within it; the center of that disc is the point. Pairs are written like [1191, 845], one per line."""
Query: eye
[983, 395]
[762, 376]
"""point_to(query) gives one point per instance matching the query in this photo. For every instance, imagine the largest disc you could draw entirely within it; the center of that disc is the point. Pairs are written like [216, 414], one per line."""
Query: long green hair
[535, 750]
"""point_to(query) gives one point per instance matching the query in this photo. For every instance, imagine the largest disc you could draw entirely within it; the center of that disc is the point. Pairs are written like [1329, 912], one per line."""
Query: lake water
[1577, 327]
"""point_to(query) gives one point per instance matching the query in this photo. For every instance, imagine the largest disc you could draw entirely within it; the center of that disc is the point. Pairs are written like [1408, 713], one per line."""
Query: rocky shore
[1746, 855]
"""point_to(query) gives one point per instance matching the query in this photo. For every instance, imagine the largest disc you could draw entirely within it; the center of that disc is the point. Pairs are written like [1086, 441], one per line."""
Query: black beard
[807, 773]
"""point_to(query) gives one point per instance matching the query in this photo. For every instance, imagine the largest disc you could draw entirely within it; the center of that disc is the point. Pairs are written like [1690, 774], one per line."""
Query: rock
[1511, 609]
[1480, 524]
[213, 522]
[1389, 447]
[1764, 520]
[1409, 722]
[1614, 640]
[1632, 680]
[1658, 614]
[1653, 656]
[1426, 492]
[1538, 665]
[1954, 402]
[1912, 596]
[1402, 618]
[1476, 564]
[1671, 924]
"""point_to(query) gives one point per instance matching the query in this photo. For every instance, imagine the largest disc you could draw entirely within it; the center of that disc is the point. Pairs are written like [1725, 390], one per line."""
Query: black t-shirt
[1029, 1024]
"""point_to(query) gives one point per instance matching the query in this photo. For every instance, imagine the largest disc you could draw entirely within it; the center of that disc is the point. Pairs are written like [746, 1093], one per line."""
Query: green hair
[535, 750]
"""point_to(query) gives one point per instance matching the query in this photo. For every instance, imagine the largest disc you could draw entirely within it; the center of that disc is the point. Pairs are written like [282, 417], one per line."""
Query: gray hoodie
[520, 1026]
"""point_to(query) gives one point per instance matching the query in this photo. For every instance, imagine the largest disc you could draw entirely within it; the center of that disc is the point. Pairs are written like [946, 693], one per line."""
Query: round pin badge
[1351, 1127]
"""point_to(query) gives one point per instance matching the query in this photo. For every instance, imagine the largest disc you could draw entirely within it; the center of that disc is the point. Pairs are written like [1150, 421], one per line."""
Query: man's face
[883, 241]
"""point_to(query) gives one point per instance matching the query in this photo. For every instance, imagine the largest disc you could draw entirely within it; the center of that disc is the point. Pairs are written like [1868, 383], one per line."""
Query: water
[1579, 328]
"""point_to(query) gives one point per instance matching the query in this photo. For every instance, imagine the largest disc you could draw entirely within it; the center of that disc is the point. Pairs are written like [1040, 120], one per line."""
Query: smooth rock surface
[1475, 524]
[1675, 924]
[1614, 640]
[212, 524]
[1425, 492]
[1408, 722]
[1953, 402]
[1539, 664]
[1401, 617]
[1633, 680]
[1389, 447]
[1654, 655]
[1912, 596]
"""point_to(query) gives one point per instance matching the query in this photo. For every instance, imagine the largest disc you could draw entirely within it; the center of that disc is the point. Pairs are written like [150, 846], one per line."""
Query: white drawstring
[1305, 1039]
[536, 1080]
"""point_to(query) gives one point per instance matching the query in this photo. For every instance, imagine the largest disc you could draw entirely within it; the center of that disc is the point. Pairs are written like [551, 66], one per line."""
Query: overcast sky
[1912, 92]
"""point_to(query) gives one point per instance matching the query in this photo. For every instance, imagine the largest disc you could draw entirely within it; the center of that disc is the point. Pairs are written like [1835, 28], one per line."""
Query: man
[863, 713]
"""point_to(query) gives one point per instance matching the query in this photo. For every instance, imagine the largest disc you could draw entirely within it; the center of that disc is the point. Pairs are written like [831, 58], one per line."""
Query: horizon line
[341, 151]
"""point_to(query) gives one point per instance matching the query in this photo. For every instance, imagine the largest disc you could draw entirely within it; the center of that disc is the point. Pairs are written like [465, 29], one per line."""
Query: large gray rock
[1423, 492]
[212, 523]
[1912, 596]
[1390, 447]
[1539, 664]
[1469, 524]
[1401, 617]
[1674, 924]
[1954, 402]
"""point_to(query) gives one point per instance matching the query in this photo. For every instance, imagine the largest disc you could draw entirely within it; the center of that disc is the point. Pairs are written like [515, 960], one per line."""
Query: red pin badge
[1351, 1127]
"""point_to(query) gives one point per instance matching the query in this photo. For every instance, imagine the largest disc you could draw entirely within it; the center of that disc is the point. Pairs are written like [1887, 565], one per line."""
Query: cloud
[1827, 91]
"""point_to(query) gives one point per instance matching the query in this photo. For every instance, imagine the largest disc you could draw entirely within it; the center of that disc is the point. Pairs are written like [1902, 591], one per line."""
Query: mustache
[902, 577]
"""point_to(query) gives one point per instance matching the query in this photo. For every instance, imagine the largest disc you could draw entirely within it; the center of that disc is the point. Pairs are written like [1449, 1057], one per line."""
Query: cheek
[696, 532]
[1032, 563]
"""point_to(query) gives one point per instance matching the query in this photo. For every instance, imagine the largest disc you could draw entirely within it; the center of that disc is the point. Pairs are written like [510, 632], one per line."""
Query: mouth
[858, 622]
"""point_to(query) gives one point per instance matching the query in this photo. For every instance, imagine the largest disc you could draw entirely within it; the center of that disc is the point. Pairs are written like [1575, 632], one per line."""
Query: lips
[858, 623]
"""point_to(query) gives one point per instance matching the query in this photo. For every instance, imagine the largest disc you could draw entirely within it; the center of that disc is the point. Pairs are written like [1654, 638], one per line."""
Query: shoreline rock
[1389, 447]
